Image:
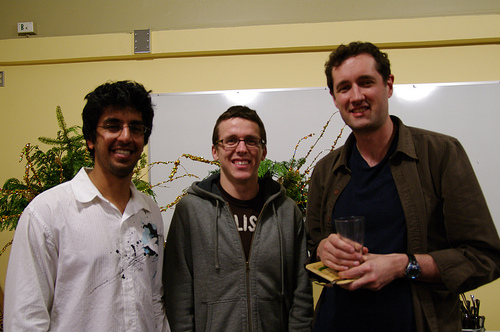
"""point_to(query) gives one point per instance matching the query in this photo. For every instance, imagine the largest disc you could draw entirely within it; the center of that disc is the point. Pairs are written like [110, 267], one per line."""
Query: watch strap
[412, 271]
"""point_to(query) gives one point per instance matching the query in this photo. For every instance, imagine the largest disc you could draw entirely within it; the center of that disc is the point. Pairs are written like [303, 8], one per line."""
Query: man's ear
[90, 145]
[390, 85]
[215, 153]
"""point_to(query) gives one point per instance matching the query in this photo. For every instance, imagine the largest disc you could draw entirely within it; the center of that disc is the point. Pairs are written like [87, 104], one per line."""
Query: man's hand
[338, 254]
[376, 271]
[373, 271]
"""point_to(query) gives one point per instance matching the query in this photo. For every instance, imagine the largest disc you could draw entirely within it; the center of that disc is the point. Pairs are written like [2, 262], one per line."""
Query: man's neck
[373, 146]
[242, 191]
[114, 189]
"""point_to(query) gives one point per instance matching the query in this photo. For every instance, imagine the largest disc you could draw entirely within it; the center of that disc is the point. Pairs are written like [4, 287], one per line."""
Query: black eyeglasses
[232, 142]
[136, 129]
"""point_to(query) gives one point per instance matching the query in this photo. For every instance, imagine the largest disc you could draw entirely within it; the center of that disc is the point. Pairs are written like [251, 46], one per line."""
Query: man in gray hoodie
[236, 246]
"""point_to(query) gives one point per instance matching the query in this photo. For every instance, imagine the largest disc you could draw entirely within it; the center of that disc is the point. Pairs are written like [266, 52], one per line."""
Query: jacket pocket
[225, 315]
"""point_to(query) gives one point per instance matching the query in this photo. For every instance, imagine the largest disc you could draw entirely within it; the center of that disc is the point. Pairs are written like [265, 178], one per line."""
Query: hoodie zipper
[249, 306]
[247, 262]
[247, 266]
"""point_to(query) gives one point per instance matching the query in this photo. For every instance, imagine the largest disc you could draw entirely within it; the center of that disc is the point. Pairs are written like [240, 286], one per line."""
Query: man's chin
[123, 171]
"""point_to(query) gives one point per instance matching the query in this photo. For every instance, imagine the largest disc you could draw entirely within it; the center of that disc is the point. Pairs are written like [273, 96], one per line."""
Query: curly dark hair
[119, 94]
[344, 52]
[243, 112]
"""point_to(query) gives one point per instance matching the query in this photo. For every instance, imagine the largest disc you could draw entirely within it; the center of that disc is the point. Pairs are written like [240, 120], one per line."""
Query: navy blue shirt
[371, 193]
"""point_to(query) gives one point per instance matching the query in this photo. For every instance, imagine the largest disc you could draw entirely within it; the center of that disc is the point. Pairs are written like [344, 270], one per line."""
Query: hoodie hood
[208, 189]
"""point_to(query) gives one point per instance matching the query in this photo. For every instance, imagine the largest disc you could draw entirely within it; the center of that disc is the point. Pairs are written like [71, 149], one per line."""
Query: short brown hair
[344, 52]
[243, 112]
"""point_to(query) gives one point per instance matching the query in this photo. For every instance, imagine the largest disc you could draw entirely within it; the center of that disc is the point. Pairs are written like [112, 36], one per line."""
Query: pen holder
[477, 325]
[471, 320]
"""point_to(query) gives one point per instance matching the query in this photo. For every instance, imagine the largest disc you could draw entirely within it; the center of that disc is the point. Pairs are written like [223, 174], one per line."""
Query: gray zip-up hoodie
[209, 285]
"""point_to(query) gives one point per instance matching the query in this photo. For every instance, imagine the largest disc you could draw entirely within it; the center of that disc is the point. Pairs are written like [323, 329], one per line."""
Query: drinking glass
[352, 230]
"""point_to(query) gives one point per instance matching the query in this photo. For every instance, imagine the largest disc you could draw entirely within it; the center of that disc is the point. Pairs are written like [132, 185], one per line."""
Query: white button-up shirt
[78, 264]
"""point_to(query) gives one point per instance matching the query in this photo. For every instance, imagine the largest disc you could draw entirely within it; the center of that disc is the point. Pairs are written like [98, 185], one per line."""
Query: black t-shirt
[371, 193]
[246, 213]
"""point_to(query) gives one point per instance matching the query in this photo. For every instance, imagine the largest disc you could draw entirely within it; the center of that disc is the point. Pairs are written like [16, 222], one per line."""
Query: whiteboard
[184, 122]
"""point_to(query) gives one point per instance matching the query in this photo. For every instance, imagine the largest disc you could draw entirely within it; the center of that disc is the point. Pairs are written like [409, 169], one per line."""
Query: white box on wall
[26, 28]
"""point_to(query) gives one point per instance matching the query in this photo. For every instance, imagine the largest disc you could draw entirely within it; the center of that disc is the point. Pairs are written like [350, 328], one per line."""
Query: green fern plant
[288, 174]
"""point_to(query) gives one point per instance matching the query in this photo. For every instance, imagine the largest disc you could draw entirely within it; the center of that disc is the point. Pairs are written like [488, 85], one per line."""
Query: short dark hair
[120, 94]
[343, 52]
[243, 112]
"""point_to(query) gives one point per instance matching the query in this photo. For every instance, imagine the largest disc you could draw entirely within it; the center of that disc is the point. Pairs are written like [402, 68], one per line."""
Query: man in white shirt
[88, 254]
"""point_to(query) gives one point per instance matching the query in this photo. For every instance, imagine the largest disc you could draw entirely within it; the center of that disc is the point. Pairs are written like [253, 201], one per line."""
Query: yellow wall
[41, 73]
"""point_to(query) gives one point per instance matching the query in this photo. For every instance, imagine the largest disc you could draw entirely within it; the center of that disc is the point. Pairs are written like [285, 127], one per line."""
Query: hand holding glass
[352, 230]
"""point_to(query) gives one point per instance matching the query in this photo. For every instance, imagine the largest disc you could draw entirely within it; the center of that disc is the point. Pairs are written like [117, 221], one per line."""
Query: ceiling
[68, 18]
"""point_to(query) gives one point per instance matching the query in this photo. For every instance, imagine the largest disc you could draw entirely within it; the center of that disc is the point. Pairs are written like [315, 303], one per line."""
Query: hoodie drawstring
[282, 258]
[217, 217]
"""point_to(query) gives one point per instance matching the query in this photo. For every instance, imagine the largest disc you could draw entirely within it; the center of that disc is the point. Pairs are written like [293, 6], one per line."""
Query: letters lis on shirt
[247, 224]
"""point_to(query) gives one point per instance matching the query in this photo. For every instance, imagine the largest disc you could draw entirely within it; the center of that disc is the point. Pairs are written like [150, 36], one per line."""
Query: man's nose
[357, 94]
[125, 133]
[242, 146]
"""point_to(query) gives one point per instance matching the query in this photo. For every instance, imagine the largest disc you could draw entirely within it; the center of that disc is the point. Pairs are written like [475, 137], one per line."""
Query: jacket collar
[208, 187]
[406, 145]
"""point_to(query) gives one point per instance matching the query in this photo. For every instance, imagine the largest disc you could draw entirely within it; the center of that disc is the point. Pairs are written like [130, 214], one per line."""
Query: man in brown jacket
[429, 234]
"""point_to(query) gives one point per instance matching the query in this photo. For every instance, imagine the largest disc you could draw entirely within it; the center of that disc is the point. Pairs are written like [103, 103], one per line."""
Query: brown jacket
[446, 217]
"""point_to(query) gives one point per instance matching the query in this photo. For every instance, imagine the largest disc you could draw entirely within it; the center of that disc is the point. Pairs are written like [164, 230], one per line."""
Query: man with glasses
[236, 245]
[87, 255]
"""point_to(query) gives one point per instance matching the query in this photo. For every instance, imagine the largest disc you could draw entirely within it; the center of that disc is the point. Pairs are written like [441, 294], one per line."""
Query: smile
[359, 109]
[242, 162]
[123, 152]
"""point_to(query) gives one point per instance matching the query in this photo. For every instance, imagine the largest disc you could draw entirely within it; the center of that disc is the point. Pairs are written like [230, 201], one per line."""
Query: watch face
[413, 269]
[413, 272]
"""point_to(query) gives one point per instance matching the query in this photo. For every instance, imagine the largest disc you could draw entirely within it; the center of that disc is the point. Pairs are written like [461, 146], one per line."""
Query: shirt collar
[83, 188]
[85, 191]
[405, 144]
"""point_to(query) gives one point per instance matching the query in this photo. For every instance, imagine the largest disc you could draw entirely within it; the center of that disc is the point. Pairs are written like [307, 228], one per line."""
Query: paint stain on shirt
[149, 239]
